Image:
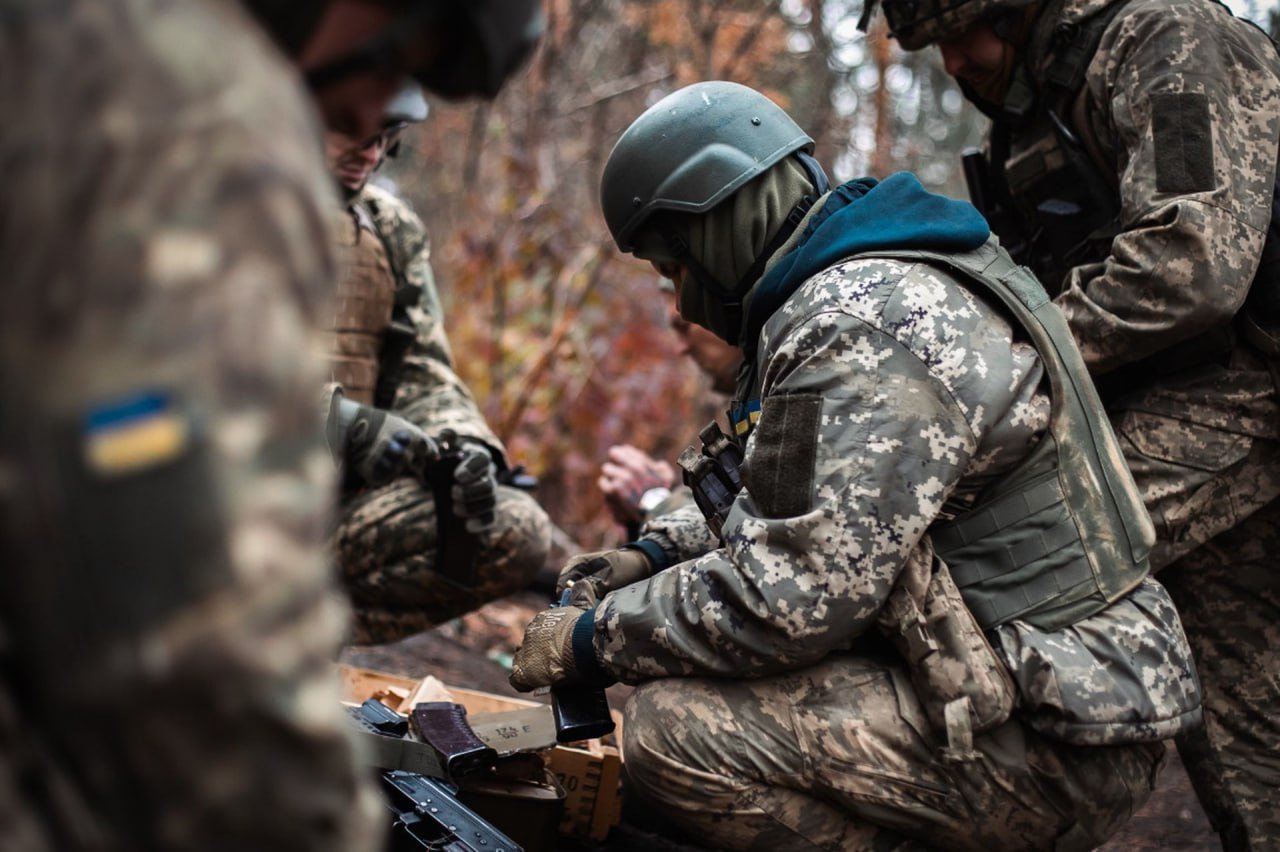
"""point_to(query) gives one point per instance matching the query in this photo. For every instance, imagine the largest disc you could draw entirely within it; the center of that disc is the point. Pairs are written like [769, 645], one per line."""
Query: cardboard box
[590, 772]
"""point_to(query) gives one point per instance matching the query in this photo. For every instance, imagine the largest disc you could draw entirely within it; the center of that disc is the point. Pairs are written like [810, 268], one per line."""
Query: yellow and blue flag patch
[134, 433]
[744, 417]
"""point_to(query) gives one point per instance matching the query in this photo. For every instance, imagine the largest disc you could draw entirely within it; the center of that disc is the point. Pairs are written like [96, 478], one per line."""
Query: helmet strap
[681, 253]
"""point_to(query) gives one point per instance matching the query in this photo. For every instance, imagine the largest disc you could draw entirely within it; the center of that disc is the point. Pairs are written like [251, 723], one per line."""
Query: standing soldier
[168, 618]
[1132, 166]
[929, 618]
[407, 564]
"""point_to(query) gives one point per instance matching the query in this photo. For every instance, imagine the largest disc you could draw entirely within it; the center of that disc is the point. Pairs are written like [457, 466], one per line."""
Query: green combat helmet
[690, 151]
[483, 41]
[920, 23]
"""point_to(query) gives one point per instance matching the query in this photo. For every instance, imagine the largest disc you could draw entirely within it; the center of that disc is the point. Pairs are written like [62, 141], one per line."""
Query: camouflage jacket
[1180, 111]
[890, 397]
[168, 617]
[1179, 114]
[428, 391]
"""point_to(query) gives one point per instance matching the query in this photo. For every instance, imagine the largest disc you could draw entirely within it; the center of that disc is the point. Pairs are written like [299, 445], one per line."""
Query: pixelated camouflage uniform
[924, 398]
[386, 537]
[1180, 114]
[168, 616]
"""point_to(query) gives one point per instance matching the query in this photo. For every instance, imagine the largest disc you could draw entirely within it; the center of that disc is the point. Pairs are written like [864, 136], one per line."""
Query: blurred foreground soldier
[1132, 166]
[390, 355]
[930, 618]
[637, 486]
[168, 617]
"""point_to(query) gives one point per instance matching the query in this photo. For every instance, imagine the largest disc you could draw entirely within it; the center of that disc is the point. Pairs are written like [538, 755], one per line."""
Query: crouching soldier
[928, 618]
[420, 539]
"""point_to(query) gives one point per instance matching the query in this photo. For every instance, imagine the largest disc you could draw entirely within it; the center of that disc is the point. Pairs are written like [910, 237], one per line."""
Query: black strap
[793, 220]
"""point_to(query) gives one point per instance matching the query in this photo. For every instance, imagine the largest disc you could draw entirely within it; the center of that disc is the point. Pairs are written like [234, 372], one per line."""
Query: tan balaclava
[726, 241]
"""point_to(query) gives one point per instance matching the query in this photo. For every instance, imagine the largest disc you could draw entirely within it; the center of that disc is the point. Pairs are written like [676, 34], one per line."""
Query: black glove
[379, 445]
[475, 484]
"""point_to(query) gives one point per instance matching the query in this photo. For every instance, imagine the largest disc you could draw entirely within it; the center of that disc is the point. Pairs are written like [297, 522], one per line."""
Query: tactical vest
[366, 298]
[1065, 534]
[401, 332]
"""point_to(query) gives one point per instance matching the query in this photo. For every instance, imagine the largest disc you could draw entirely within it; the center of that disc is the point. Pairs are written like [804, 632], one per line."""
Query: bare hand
[626, 476]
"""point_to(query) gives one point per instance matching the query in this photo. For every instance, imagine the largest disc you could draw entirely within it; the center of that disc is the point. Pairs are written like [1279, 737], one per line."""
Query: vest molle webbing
[1065, 534]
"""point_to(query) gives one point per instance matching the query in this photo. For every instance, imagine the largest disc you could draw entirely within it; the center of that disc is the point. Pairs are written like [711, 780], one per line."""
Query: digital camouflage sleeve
[1189, 120]
[429, 393]
[168, 616]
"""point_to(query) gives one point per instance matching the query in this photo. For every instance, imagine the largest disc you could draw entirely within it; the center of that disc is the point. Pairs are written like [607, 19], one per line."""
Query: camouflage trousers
[1228, 594]
[1213, 497]
[840, 756]
[385, 543]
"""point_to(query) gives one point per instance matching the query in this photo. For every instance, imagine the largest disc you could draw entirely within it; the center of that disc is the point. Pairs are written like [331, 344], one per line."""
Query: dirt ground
[475, 652]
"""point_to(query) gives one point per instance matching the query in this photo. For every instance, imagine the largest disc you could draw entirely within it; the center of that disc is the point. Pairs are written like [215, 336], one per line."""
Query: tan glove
[604, 571]
[545, 658]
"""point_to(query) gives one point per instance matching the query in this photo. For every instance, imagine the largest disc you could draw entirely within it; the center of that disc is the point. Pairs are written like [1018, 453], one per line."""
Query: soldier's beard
[346, 192]
[1015, 31]
[993, 85]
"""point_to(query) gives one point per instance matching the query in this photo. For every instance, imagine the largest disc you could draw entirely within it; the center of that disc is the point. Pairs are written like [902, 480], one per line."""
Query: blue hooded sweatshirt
[861, 216]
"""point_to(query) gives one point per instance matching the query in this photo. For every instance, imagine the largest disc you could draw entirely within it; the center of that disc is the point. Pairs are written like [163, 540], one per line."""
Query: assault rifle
[416, 772]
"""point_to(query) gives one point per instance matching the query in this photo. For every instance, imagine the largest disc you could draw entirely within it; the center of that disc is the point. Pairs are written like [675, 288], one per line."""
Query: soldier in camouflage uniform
[903, 636]
[388, 349]
[1133, 167]
[168, 618]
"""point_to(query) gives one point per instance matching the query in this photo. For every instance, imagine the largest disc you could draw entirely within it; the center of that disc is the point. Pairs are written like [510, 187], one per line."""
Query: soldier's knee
[521, 536]
[647, 733]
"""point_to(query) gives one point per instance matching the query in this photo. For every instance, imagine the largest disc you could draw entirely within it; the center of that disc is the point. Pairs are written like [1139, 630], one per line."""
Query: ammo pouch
[714, 474]
[964, 687]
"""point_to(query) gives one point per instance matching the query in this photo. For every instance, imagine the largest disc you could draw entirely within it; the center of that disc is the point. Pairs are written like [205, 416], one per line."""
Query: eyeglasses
[386, 137]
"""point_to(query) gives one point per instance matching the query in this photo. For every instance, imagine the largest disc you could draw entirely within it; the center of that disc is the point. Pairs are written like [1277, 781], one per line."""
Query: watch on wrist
[650, 499]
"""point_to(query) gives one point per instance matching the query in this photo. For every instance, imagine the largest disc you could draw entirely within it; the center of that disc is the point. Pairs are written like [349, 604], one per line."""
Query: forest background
[565, 341]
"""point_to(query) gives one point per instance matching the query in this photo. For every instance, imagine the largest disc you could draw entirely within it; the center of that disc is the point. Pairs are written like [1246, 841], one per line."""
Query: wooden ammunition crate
[590, 772]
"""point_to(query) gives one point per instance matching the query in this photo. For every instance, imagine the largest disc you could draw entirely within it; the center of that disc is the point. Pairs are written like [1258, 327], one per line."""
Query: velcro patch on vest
[1182, 132]
[779, 473]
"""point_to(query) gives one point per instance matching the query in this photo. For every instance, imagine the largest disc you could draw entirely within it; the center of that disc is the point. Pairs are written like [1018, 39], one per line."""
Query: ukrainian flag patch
[744, 417]
[134, 433]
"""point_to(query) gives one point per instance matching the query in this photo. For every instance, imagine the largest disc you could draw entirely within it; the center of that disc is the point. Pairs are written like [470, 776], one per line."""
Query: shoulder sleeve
[1188, 100]
[167, 593]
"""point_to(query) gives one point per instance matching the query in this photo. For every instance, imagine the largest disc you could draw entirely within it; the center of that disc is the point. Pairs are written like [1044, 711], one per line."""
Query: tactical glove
[475, 488]
[545, 658]
[378, 445]
[603, 571]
